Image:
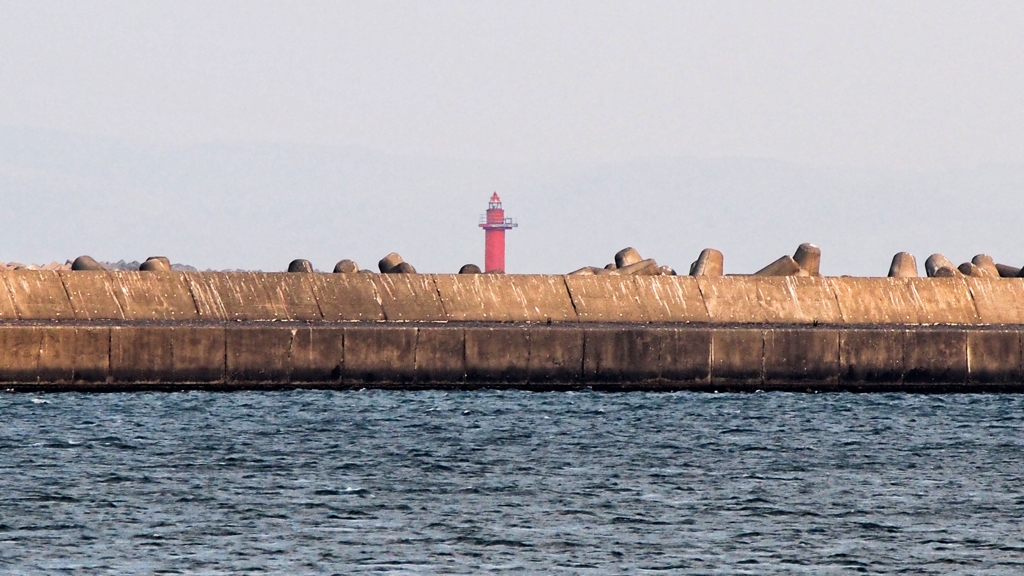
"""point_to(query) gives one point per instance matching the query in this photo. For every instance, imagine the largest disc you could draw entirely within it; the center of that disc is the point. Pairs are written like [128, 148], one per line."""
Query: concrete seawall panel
[440, 354]
[504, 298]
[379, 354]
[347, 297]
[932, 356]
[737, 356]
[994, 356]
[871, 355]
[620, 353]
[556, 354]
[794, 355]
[258, 353]
[152, 295]
[495, 354]
[253, 296]
[91, 295]
[606, 299]
[769, 300]
[409, 297]
[671, 299]
[998, 300]
[317, 354]
[38, 295]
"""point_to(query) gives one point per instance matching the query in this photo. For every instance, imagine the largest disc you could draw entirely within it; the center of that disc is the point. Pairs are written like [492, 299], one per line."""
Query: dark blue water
[572, 483]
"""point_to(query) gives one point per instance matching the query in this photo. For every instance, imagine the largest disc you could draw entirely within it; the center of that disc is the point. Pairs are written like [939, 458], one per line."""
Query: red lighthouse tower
[494, 224]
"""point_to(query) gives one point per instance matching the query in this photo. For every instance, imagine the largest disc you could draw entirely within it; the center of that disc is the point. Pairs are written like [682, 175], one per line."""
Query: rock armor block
[904, 265]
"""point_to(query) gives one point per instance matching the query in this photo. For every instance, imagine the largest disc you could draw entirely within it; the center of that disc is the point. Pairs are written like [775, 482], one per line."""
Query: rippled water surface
[470, 482]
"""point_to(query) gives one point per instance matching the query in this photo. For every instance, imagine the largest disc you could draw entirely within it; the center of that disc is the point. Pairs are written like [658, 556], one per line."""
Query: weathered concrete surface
[91, 353]
[347, 297]
[199, 353]
[409, 297]
[38, 295]
[504, 298]
[616, 354]
[379, 354]
[737, 356]
[440, 354]
[994, 356]
[793, 300]
[142, 354]
[711, 262]
[21, 347]
[606, 298]
[556, 354]
[944, 301]
[152, 295]
[876, 300]
[670, 299]
[998, 300]
[317, 354]
[685, 355]
[808, 256]
[784, 266]
[871, 355]
[253, 296]
[497, 354]
[91, 295]
[795, 355]
[933, 356]
[258, 353]
[904, 265]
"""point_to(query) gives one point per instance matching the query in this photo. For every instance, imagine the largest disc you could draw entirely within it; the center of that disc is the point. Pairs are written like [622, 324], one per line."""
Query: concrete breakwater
[103, 330]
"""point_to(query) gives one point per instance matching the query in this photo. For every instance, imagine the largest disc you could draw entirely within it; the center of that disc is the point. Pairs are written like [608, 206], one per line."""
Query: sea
[477, 482]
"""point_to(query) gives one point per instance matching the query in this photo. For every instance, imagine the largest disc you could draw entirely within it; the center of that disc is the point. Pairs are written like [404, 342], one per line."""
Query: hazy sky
[907, 84]
[863, 105]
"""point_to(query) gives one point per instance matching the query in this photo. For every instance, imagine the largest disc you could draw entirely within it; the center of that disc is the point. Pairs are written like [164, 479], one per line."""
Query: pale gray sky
[541, 101]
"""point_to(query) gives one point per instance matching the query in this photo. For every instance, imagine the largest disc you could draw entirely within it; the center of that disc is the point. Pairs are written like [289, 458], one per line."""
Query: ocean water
[316, 482]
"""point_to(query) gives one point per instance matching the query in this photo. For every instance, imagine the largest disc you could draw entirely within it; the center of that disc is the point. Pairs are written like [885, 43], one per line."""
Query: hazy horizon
[242, 135]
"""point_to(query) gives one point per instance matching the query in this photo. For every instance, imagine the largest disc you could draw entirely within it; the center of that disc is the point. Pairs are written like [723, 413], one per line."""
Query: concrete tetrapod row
[627, 262]
[904, 265]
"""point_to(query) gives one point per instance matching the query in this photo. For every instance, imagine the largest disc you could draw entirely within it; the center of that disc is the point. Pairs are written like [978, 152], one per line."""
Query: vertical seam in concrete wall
[316, 298]
[572, 301]
[703, 299]
[10, 291]
[977, 312]
[110, 353]
[224, 367]
[291, 353]
[835, 295]
[764, 338]
[967, 352]
[191, 292]
[903, 365]
[68, 294]
[440, 298]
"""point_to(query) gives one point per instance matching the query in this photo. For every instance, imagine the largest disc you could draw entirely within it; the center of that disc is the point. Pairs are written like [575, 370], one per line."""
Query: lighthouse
[494, 224]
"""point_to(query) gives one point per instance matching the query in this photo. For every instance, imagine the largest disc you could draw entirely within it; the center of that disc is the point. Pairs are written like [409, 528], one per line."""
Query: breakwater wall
[165, 330]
